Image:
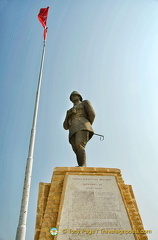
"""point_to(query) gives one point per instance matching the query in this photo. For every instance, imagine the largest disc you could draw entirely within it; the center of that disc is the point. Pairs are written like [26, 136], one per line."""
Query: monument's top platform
[87, 169]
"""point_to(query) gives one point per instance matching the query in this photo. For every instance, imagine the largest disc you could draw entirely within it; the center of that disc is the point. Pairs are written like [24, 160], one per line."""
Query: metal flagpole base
[21, 232]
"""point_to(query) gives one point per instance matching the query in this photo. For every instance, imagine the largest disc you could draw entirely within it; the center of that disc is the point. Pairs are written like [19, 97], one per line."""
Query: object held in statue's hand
[73, 110]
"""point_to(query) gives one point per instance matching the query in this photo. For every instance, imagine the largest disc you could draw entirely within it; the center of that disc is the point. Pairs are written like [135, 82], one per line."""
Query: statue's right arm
[66, 124]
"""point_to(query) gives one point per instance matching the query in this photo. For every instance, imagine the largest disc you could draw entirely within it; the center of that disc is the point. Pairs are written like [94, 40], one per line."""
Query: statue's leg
[72, 141]
[81, 139]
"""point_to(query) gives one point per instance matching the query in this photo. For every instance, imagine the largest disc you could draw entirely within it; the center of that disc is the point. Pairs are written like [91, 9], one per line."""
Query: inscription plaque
[91, 207]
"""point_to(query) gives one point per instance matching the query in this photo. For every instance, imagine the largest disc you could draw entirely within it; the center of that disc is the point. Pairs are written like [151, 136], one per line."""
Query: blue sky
[108, 51]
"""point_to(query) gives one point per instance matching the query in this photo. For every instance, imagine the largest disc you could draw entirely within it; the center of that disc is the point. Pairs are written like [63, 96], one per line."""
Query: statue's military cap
[76, 93]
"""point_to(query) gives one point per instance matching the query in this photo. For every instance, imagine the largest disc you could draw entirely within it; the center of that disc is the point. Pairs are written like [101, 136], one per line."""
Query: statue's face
[75, 98]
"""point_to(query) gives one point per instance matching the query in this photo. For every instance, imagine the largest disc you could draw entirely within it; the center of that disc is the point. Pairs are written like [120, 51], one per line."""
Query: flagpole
[21, 229]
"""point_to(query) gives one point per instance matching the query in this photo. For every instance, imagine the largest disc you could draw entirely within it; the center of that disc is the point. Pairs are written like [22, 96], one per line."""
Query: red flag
[42, 17]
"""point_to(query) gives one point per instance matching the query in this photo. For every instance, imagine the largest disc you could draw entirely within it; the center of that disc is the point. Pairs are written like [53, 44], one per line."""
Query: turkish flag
[42, 17]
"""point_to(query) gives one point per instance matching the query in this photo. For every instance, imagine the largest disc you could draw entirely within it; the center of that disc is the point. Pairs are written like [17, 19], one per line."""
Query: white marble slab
[92, 206]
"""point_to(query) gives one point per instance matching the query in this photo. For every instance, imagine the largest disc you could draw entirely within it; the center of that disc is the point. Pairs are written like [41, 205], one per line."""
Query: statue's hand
[71, 111]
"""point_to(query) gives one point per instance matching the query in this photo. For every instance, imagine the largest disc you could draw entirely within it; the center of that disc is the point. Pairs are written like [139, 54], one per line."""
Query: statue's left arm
[90, 111]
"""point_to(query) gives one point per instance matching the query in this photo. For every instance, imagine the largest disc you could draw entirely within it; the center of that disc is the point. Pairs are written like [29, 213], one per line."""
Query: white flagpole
[21, 229]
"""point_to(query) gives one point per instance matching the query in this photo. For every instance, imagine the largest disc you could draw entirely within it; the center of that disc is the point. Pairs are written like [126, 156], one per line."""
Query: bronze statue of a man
[79, 120]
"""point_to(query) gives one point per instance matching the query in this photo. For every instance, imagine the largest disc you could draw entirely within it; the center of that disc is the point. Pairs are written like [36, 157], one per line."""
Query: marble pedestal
[88, 203]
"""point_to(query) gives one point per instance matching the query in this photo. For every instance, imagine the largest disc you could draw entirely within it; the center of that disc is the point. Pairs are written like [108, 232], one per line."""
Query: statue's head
[75, 93]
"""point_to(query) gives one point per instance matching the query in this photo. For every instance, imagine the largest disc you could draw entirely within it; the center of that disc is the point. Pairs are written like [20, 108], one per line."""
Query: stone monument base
[87, 203]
